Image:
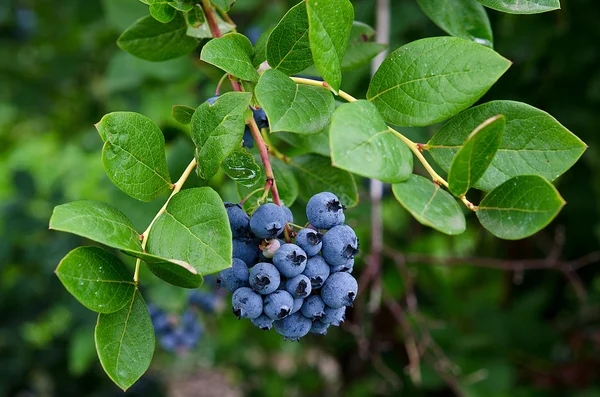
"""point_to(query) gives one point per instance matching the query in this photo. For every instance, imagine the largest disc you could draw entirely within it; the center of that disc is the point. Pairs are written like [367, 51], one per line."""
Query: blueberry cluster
[298, 287]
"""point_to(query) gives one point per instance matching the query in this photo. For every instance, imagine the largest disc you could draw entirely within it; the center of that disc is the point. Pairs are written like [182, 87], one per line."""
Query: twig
[414, 357]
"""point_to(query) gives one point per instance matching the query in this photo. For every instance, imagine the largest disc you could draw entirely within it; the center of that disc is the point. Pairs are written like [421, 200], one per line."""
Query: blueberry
[212, 100]
[261, 118]
[246, 303]
[270, 248]
[290, 260]
[169, 341]
[299, 286]
[160, 319]
[339, 290]
[268, 221]
[340, 245]
[310, 241]
[293, 327]
[248, 139]
[319, 328]
[204, 301]
[246, 250]
[313, 307]
[298, 302]
[288, 214]
[334, 316]
[263, 322]
[234, 277]
[264, 278]
[317, 271]
[278, 305]
[239, 221]
[348, 267]
[325, 211]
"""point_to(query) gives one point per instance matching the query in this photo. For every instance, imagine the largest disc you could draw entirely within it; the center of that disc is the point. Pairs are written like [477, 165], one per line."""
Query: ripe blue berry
[310, 241]
[293, 327]
[348, 267]
[261, 118]
[234, 277]
[317, 271]
[248, 139]
[340, 245]
[268, 221]
[246, 250]
[288, 214]
[264, 278]
[212, 100]
[333, 316]
[278, 305]
[339, 290]
[325, 211]
[299, 286]
[263, 322]
[319, 328]
[298, 302]
[290, 260]
[246, 303]
[239, 221]
[313, 307]
[160, 319]
[204, 301]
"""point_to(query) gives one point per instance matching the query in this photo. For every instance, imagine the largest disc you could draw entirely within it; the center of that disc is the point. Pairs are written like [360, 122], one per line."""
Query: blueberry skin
[317, 271]
[212, 100]
[310, 241]
[348, 267]
[293, 327]
[239, 221]
[261, 118]
[246, 250]
[319, 328]
[333, 316]
[299, 286]
[288, 214]
[246, 303]
[339, 290]
[234, 277]
[290, 260]
[264, 278]
[313, 307]
[263, 322]
[340, 245]
[325, 211]
[298, 302]
[278, 305]
[248, 139]
[268, 221]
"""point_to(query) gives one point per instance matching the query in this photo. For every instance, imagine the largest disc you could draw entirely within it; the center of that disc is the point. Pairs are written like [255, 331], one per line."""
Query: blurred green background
[501, 333]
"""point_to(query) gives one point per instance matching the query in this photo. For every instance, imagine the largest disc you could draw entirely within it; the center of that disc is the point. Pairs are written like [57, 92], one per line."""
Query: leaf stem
[318, 83]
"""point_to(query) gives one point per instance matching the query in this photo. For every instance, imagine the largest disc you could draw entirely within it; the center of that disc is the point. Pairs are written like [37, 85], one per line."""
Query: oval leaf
[429, 80]
[317, 143]
[125, 341]
[241, 167]
[183, 114]
[232, 53]
[478, 151]
[287, 185]
[194, 229]
[466, 19]
[520, 207]
[361, 49]
[133, 155]
[163, 13]
[292, 107]
[533, 143]
[96, 278]
[154, 41]
[522, 6]
[362, 143]
[430, 204]
[173, 271]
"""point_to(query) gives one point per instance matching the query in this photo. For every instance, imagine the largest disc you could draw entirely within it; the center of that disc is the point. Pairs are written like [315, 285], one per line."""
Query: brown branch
[414, 357]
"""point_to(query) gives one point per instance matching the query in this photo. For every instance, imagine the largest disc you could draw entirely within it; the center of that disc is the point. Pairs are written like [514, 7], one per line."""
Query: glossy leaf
[292, 107]
[125, 341]
[173, 271]
[522, 6]
[466, 19]
[194, 229]
[163, 13]
[232, 53]
[520, 207]
[317, 143]
[429, 80]
[329, 23]
[362, 144]
[224, 5]
[181, 5]
[241, 167]
[430, 204]
[183, 114]
[287, 185]
[260, 47]
[154, 41]
[361, 49]
[96, 278]
[476, 154]
[218, 129]
[200, 30]
[288, 49]
[133, 155]
[533, 143]
[195, 17]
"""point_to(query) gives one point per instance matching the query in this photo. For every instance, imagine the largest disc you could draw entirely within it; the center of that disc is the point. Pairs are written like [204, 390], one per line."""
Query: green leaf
[224, 5]
[200, 30]
[181, 5]
[260, 48]
[154, 41]
[218, 129]
[195, 17]
[287, 185]
[316, 143]
[173, 271]
[315, 174]
[362, 144]
[194, 229]
[233, 53]
[476, 154]
[533, 143]
[520, 207]
[97, 221]
[330, 23]
[125, 341]
[183, 114]
[430, 204]
[292, 107]
[288, 49]
[466, 19]
[241, 167]
[360, 48]
[96, 278]
[429, 80]
[133, 155]
[522, 6]
[163, 13]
